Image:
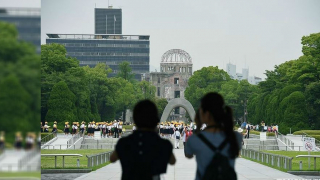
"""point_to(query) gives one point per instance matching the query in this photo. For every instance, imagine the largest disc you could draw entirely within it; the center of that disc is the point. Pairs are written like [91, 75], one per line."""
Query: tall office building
[111, 49]
[231, 70]
[108, 20]
[27, 22]
[245, 73]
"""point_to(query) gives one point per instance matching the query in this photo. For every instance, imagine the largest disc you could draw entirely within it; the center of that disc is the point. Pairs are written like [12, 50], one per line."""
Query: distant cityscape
[231, 70]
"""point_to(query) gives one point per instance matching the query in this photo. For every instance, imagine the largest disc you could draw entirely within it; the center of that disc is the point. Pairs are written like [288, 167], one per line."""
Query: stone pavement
[185, 169]
[65, 176]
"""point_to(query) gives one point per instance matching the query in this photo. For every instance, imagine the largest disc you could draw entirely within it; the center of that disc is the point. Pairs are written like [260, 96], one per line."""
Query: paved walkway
[60, 143]
[185, 169]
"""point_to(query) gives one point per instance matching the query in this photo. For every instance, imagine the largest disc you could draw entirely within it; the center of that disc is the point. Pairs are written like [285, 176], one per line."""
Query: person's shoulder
[193, 137]
[165, 143]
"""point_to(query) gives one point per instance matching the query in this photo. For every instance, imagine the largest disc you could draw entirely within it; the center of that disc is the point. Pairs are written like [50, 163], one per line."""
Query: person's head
[213, 111]
[145, 114]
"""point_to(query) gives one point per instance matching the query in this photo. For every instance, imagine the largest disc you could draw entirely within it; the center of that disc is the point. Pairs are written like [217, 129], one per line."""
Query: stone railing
[273, 160]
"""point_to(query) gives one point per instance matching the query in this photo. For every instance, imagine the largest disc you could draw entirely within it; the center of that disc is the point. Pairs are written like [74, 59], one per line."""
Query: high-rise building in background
[91, 49]
[108, 20]
[245, 73]
[27, 22]
[231, 70]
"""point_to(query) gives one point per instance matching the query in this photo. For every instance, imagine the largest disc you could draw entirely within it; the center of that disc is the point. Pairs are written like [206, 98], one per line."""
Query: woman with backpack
[217, 146]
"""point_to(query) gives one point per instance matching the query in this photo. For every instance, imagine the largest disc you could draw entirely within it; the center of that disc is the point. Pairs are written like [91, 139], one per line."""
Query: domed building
[172, 80]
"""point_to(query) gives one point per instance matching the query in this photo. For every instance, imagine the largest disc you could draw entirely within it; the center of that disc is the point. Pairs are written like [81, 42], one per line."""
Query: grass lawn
[21, 174]
[258, 133]
[70, 162]
[296, 161]
[309, 132]
[129, 127]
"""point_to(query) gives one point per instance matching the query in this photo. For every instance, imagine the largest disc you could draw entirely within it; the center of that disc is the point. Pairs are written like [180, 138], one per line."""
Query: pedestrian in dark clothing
[144, 155]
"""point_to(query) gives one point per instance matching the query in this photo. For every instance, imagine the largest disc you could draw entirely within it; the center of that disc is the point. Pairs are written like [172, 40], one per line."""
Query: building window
[158, 79]
[158, 91]
[176, 80]
[177, 110]
[176, 94]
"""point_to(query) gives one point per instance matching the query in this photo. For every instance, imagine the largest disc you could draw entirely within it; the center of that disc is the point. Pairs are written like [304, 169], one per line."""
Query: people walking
[217, 143]
[248, 130]
[177, 137]
[66, 128]
[144, 155]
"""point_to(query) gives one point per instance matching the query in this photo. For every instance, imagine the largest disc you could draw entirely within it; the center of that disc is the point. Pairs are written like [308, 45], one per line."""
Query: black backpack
[219, 167]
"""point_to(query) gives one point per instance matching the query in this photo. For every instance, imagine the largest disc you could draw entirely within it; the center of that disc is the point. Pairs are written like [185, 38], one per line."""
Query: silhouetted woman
[144, 155]
[219, 131]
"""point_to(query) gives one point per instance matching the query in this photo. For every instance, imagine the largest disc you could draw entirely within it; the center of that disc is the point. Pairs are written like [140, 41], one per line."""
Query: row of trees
[289, 97]
[213, 79]
[19, 84]
[73, 93]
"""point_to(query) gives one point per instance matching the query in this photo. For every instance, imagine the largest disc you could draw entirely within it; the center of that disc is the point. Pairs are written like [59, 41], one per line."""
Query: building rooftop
[20, 12]
[97, 36]
[176, 56]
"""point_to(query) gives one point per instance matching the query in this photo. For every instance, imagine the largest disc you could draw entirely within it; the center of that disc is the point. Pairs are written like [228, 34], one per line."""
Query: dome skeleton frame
[176, 56]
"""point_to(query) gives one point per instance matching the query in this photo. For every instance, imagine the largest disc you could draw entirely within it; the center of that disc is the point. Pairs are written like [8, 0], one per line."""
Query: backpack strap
[212, 147]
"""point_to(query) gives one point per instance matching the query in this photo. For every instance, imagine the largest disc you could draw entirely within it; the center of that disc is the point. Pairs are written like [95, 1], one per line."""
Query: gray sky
[260, 34]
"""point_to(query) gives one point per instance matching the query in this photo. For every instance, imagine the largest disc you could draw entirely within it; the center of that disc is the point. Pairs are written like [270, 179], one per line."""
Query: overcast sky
[258, 34]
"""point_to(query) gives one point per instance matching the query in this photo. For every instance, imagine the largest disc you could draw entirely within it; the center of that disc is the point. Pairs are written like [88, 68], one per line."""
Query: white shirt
[75, 127]
[177, 133]
[82, 126]
[203, 126]
[184, 137]
[134, 128]
[109, 127]
[161, 126]
[120, 126]
[104, 126]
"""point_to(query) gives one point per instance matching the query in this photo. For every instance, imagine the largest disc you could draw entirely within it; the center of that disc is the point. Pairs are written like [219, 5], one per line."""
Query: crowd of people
[177, 130]
[31, 141]
[146, 152]
[106, 129]
[247, 126]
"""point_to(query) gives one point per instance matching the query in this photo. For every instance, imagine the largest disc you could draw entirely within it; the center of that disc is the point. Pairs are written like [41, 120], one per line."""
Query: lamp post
[245, 102]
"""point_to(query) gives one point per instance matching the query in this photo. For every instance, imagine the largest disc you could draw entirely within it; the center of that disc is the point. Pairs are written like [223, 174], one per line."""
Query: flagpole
[114, 26]
[106, 24]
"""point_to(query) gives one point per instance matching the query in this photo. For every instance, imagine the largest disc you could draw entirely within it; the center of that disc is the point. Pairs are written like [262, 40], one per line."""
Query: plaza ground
[185, 169]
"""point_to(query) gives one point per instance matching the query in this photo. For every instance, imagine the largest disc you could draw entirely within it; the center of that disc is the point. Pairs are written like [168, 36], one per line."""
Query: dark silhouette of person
[144, 155]
[219, 130]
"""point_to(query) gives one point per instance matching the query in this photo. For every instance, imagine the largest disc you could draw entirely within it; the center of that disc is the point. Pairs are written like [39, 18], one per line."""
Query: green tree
[15, 104]
[19, 75]
[161, 104]
[54, 59]
[208, 79]
[125, 71]
[61, 103]
[147, 89]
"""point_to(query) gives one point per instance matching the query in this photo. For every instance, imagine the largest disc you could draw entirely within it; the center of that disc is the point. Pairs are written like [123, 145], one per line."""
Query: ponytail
[222, 115]
[230, 134]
